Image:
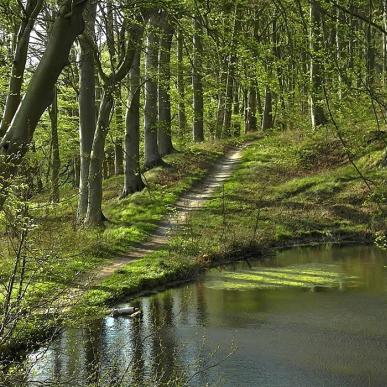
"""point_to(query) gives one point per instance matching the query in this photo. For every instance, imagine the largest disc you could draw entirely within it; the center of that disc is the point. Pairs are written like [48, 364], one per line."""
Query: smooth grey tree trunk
[371, 49]
[259, 104]
[384, 44]
[227, 117]
[152, 156]
[55, 156]
[76, 171]
[251, 113]
[181, 82]
[32, 9]
[221, 99]
[39, 94]
[230, 82]
[236, 110]
[87, 108]
[118, 157]
[317, 112]
[94, 215]
[165, 117]
[132, 174]
[339, 50]
[118, 148]
[267, 119]
[197, 84]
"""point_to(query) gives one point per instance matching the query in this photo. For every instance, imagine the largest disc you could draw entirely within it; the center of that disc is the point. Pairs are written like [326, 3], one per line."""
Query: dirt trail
[191, 200]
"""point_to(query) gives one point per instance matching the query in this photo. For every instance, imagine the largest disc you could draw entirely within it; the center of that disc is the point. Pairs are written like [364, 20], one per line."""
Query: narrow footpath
[192, 200]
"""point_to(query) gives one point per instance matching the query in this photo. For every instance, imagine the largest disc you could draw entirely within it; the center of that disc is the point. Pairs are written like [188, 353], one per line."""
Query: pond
[306, 317]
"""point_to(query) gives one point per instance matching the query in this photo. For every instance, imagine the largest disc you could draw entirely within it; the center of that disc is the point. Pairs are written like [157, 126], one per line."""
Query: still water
[306, 317]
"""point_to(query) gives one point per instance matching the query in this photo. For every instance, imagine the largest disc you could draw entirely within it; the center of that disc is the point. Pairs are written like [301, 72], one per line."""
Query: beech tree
[87, 106]
[132, 172]
[164, 94]
[152, 156]
[134, 31]
[197, 83]
[28, 17]
[143, 71]
[318, 116]
[68, 25]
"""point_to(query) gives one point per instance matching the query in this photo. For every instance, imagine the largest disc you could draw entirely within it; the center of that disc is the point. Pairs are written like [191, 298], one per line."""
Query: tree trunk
[370, 58]
[165, 118]
[384, 40]
[118, 157]
[15, 143]
[228, 103]
[76, 171]
[338, 53]
[197, 85]
[118, 149]
[251, 111]
[151, 153]
[132, 174]
[267, 119]
[94, 215]
[55, 157]
[317, 112]
[222, 86]
[87, 108]
[236, 111]
[230, 82]
[181, 83]
[32, 9]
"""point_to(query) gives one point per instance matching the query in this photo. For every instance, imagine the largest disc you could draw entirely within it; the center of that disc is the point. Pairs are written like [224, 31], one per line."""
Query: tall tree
[165, 117]
[132, 173]
[28, 18]
[181, 82]
[87, 106]
[134, 30]
[251, 111]
[151, 153]
[55, 156]
[119, 118]
[39, 94]
[230, 78]
[197, 83]
[317, 112]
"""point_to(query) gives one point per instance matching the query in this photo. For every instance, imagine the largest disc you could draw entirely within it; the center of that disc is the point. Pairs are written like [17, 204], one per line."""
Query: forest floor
[277, 192]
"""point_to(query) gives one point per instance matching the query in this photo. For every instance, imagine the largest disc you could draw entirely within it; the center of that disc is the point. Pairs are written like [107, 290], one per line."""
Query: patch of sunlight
[298, 276]
[220, 285]
[298, 271]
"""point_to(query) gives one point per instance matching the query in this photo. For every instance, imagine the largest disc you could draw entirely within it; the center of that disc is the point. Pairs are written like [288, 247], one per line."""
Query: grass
[62, 253]
[276, 198]
[273, 199]
[286, 191]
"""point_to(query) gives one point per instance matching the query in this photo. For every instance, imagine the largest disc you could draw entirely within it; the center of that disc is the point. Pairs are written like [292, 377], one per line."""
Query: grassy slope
[286, 191]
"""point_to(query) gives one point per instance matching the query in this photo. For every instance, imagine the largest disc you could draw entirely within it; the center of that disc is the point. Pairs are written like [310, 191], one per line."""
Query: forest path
[192, 200]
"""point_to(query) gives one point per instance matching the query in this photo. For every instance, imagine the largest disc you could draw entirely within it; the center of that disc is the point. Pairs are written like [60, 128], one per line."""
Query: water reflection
[285, 336]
